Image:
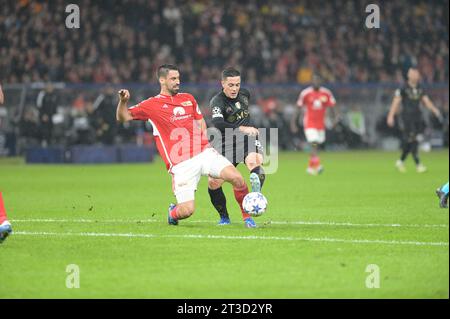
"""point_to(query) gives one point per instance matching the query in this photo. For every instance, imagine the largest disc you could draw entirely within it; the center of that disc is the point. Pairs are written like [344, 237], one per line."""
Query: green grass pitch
[317, 239]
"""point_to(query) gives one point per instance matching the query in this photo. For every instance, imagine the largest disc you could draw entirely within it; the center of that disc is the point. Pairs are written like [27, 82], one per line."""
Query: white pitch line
[193, 236]
[310, 223]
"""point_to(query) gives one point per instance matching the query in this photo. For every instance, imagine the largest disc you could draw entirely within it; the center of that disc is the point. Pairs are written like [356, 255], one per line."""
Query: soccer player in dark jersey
[406, 103]
[239, 140]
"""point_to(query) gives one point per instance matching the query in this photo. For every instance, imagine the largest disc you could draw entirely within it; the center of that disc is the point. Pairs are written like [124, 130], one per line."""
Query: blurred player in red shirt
[181, 139]
[5, 226]
[314, 101]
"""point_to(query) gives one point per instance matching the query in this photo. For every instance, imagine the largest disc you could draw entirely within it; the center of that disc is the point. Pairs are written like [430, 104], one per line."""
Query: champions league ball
[255, 204]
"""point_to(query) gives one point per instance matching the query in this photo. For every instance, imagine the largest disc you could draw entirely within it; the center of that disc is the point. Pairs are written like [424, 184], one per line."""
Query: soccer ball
[255, 204]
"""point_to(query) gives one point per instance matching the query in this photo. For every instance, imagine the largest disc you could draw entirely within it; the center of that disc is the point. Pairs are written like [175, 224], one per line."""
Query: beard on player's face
[173, 88]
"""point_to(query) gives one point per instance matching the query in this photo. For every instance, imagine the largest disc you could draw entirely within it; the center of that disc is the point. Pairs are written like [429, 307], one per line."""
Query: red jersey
[174, 120]
[316, 103]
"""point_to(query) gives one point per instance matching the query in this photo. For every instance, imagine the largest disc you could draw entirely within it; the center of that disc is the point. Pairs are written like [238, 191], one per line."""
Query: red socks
[173, 213]
[2, 210]
[239, 194]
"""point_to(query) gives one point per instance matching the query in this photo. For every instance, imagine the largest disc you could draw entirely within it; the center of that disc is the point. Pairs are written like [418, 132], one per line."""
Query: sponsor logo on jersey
[179, 111]
[186, 103]
[179, 114]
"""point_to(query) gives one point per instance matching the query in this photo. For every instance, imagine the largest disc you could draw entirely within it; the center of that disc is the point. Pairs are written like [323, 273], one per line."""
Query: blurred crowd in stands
[274, 41]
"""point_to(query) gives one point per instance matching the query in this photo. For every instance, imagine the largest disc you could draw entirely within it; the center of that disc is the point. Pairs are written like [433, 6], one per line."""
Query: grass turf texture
[356, 200]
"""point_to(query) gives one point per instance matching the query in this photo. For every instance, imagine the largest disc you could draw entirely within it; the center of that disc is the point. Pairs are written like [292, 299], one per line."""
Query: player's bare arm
[248, 130]
[122, 114]
[201, 124]
[429, 105]
[395, 106]
[2, 97]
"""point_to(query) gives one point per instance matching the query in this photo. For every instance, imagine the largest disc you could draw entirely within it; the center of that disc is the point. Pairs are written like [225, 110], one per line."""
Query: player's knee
[186, 210]
[253, 161]
[189, 211]
[237, 180]
[214, 184]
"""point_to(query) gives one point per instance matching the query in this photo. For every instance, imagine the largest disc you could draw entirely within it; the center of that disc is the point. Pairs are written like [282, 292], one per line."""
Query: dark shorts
[237, 150]
[411, 128]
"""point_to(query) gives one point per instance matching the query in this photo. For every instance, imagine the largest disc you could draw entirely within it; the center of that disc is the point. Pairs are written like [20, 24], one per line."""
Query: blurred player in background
[442, 193]
[230, 112]
[181, 139]
[407, 102]
[315, 100]
[5, 225]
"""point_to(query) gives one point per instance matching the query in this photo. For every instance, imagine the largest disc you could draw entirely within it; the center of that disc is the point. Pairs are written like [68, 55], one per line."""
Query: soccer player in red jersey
[181, 139]
[5, 225]
[315, 100]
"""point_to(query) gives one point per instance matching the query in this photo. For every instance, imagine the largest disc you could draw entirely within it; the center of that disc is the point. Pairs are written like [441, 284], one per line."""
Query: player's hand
[440, 118]
[251, 131]
[124, 95]
[390, 121]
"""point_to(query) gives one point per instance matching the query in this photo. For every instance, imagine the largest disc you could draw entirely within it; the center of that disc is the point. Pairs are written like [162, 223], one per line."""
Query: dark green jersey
[411, 99]
[230, 113]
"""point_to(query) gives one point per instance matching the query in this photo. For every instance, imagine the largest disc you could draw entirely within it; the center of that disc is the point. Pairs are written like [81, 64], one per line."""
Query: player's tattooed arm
[395, 107]
[122, 114]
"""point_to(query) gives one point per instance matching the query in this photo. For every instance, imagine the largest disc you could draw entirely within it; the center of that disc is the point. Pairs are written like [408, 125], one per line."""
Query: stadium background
[277, 45]
[319, 234]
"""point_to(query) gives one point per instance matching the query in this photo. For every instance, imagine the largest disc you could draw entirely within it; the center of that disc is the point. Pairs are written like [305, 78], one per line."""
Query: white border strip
[194, 236]
[313, 223]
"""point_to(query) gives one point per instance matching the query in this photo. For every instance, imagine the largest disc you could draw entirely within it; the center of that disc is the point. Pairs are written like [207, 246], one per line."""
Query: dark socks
[219, 202]
[415, 152]
[405, 151]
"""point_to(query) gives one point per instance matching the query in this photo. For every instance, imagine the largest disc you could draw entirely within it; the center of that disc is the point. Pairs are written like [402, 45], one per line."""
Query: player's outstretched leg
[442, 193]
[180, 211]
[231, 175]
[218, 199]
[5, 225]
[257, 175]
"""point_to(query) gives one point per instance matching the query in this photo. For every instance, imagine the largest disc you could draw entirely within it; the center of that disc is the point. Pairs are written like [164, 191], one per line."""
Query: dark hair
[164, 69]
[230, 72]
